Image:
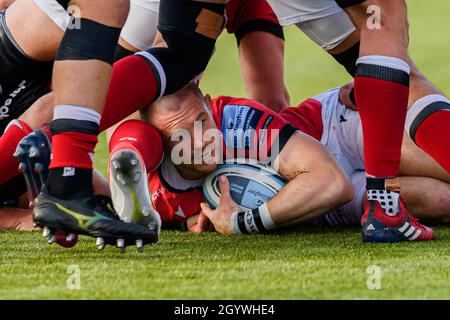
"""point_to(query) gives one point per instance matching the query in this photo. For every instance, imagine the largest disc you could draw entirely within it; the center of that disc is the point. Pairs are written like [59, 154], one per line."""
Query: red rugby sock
[16, 131]
[428, 125]
[141, 136]
[381, 92]
[134, 85]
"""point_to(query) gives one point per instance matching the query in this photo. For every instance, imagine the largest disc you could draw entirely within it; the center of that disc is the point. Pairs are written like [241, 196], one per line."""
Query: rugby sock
[427, 123]
[381, 93]
[73, 143]
[141, 136]
[16, 131]
[136, 82]
[386, 192]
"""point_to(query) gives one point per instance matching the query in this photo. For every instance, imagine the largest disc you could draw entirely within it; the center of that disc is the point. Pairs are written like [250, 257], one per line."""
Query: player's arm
[316, 185]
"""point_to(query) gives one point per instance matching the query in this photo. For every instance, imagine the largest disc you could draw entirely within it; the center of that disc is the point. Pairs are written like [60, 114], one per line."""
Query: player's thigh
[112, 13]
[35, 30]
[426, 198]
[383, 25]
[264, 73]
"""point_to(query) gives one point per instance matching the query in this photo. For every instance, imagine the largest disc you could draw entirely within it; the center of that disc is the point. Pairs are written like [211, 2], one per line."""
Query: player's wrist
[253, 221]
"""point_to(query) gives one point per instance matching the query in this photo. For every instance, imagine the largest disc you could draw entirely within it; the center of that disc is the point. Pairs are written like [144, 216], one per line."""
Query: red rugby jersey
[248, 128]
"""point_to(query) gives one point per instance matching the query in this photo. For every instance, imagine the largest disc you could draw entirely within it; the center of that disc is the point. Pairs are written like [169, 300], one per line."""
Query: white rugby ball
[251, 185]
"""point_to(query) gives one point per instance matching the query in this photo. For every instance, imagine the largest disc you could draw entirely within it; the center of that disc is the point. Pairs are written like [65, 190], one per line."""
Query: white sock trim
[266, 218]
[76, 113]
[385, 61]
[162, 75]
[421, 104]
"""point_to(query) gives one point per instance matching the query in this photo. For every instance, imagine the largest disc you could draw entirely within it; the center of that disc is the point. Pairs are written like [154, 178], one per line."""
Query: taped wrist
[253, 221]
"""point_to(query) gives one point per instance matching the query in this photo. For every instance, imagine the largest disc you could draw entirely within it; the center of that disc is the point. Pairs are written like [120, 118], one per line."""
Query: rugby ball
[251, 185]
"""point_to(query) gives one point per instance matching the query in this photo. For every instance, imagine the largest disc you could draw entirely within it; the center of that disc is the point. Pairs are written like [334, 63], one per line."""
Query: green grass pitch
[309, 263]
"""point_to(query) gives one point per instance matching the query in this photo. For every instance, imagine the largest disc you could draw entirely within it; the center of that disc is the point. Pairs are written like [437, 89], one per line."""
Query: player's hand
[221, 217]
[344, 96]
[201, 224]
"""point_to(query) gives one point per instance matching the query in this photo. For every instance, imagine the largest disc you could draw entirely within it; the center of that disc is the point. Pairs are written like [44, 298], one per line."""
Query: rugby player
[36, 49]
[239, 126]
[277, 147]
[140, 84]
[34, 52]
[381, 90]
[175, 191]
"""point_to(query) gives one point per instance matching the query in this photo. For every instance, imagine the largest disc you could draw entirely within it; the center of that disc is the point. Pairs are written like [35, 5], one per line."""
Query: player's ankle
[386, 191]
[69, 182]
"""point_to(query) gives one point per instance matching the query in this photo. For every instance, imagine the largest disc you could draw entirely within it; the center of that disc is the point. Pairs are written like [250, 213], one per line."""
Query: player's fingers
[224, 187]
[203, 222]
[207, 211]
[345, 96]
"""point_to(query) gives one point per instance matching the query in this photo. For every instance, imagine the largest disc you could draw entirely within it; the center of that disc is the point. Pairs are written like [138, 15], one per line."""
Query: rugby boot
[378, 226]
[129, 187]
[33, 153]
[90, 215]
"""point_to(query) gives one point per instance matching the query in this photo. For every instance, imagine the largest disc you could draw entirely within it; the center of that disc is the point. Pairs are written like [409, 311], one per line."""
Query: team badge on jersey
[239, 124]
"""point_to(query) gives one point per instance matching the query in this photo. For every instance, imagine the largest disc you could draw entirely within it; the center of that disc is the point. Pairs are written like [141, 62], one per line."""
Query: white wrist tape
[253, 221]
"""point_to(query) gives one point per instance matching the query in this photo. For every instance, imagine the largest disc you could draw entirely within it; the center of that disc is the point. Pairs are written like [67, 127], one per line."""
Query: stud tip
[22, 167]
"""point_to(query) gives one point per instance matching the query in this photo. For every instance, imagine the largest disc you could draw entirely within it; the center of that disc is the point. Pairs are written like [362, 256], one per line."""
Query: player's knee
[190, 35]
[181, 63]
